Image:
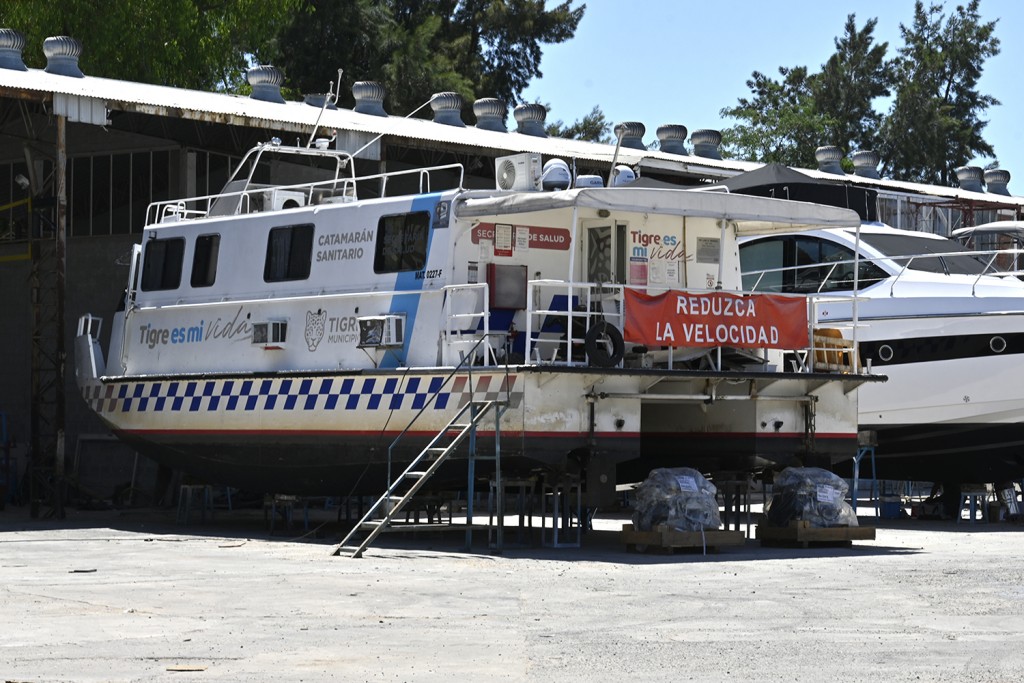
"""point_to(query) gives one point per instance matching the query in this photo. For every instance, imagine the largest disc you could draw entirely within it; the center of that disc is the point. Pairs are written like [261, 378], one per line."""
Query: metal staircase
[408, 483]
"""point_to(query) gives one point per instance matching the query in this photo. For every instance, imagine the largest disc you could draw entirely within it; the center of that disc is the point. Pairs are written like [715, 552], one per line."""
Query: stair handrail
[476, 414]
[430, 400]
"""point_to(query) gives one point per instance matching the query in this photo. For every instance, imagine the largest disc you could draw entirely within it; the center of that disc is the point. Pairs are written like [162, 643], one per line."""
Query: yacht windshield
[926, 254]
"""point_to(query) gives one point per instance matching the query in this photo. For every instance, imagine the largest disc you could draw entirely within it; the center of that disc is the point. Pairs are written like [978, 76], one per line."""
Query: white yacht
[935, 318]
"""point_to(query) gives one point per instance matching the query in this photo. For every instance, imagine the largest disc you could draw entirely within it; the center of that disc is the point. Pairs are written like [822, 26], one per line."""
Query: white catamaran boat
[938, 321]
[281, 336]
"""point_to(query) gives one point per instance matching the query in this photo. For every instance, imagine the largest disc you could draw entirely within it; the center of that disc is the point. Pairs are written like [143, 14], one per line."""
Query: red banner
[756, 321]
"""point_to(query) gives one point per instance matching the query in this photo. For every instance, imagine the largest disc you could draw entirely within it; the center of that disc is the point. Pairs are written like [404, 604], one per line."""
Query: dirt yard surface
[108, 596]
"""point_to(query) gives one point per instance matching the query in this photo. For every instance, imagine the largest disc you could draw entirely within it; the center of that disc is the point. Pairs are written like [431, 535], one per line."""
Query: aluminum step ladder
[402, 490]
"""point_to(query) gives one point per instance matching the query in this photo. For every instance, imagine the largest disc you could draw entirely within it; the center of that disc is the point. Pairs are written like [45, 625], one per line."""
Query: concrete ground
[132, 596]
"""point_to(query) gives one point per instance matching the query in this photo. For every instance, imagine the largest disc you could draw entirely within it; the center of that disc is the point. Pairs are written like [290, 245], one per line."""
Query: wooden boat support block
[802, 533]
[666, 540]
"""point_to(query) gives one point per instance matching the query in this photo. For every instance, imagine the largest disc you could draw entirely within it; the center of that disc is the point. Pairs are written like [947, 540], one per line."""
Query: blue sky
[682, 61]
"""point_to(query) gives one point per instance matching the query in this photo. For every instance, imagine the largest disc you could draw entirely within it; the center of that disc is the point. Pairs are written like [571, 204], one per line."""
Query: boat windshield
[926, 254]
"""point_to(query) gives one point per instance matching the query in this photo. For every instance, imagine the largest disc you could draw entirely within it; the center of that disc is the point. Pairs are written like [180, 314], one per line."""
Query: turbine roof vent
[530, 119]
[62, 53]
[490, 113]
[369, 96]
[12, 44]
[266, 81]
[969, 178]
[447, 108]
[828, 158]
[996, 180]
[672, 138]
[865, 163]
[706, 143]
[631, 133]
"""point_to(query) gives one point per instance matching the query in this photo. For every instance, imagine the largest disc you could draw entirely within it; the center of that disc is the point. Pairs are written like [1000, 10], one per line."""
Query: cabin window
[289, 252]
[401, 242]
[824, 266]
[810, 265]
[759, 261]
[161, 265]
[929, 254]
[204, 260]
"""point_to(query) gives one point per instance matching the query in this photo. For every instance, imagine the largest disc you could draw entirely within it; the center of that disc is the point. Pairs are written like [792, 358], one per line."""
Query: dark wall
[16, 338]
[95, 279]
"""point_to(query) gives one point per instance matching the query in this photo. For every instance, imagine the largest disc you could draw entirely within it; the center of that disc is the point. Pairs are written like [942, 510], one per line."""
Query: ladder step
[371, 524]
[415, 475]
[458, 427]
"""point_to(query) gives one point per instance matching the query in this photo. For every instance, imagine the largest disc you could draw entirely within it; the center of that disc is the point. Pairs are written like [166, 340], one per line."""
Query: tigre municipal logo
[315, 328]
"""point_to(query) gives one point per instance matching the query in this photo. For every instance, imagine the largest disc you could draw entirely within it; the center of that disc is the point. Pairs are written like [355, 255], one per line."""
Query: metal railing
[466, 324]
[557, 335]
[466, 364]
[838, 275]
[254, 197]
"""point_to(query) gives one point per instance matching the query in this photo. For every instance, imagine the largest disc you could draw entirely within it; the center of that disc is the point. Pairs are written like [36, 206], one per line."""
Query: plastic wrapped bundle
[679, 497]
[809, 494]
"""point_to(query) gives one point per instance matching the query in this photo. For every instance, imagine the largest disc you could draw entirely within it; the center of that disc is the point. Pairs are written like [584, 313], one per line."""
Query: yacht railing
[823, 278]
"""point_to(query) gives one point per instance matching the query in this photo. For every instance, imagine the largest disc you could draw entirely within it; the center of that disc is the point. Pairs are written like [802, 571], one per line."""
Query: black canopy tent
[782, 182]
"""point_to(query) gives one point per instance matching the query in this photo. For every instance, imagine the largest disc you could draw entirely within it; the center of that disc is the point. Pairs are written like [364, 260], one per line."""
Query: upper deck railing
[242, 195]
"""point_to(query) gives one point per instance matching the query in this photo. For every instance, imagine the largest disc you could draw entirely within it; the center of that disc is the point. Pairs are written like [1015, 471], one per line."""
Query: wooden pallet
[801, 533]
[666, 540]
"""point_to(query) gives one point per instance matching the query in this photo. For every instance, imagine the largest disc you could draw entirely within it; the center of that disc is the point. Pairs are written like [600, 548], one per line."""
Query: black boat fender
[604, 345]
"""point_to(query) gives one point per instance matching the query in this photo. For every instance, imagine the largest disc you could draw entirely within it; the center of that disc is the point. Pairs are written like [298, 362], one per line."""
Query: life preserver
[597, 342]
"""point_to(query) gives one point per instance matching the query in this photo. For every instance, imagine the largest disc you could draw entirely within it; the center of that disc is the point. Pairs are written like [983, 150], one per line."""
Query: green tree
[780, 122]
[202, 44]
[593, 127]
[503, 40]
[849, 83]
[935, 122]
[415, 48]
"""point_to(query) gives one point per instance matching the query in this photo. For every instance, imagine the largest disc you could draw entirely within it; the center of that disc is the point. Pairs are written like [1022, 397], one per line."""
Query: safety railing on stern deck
[467, 319]
[561, 315]
[558, 333]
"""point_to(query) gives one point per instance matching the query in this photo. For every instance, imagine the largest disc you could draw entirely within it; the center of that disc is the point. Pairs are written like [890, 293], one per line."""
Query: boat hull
[965, 452]
[952, 408]
[331, 433]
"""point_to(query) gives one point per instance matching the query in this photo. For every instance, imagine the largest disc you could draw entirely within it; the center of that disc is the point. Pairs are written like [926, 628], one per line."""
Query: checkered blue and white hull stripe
[297, 394]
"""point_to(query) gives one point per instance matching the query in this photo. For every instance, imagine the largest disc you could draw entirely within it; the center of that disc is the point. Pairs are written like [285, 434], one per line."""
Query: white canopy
[752, 215]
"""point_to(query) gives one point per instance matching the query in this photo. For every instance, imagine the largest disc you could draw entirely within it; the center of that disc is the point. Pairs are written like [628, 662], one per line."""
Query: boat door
[604, 251]
[133, 276]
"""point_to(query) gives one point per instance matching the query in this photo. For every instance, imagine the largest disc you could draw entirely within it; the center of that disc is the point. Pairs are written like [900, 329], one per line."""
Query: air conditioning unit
[381, 331]
[520, 172]
[276, 200]
[271, 334]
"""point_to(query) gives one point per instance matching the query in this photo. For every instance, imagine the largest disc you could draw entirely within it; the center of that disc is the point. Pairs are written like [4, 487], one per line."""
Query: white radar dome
[623, 174]
[589, 181]
[555, 175]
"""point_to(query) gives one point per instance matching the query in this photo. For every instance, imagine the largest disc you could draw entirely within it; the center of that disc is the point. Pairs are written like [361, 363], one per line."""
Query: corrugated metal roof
[220, 106]
[905, 187]
[194, 104]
